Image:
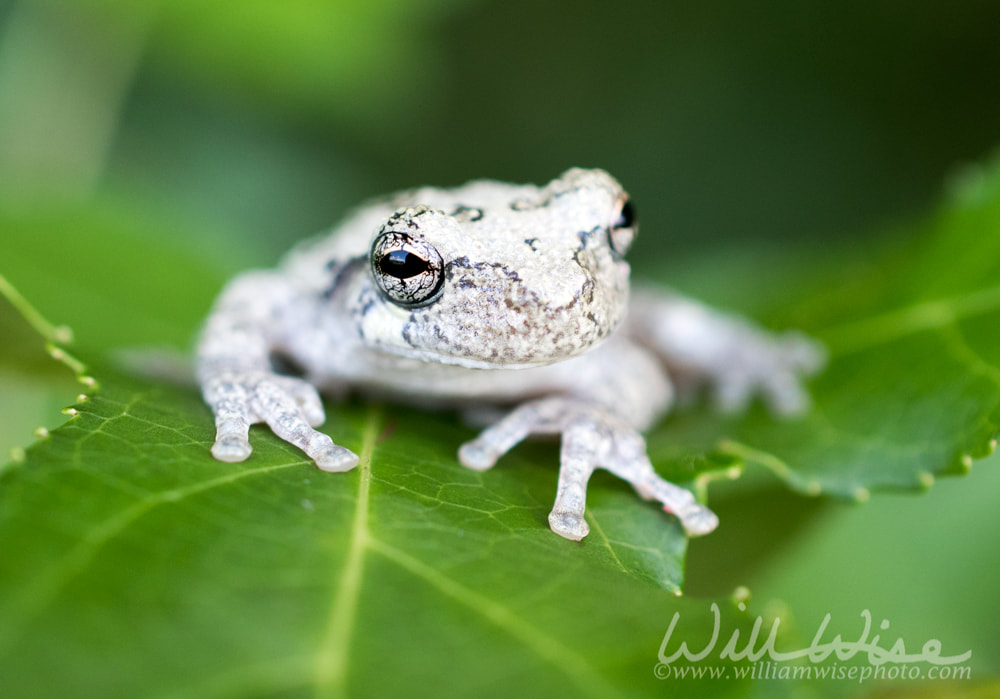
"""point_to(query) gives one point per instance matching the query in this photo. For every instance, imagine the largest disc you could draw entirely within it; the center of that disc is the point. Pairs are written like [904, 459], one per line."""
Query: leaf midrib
[331, 660]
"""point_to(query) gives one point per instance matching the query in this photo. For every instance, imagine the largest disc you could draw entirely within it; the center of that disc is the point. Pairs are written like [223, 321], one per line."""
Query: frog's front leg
[592, 437]
[239, 383]
[736, 358]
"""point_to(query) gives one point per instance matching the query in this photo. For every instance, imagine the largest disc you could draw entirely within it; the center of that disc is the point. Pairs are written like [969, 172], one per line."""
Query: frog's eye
[624, 228]
[408, 270]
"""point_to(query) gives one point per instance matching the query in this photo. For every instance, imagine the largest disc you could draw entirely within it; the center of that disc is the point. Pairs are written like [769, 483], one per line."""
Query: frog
[490, 296]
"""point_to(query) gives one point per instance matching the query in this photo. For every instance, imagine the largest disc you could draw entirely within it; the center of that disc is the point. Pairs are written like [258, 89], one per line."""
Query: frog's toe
[785, 395]
[232, 440]
[732, 393]
[475, 456]
[307, 399]
[568, 525]
[335, 459]
[804, 354]
[698, 520]
[231, 449]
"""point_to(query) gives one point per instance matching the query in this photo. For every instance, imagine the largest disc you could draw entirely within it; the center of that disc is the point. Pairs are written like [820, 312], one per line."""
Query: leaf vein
[39, 594]
[858, 335]
[579, 671]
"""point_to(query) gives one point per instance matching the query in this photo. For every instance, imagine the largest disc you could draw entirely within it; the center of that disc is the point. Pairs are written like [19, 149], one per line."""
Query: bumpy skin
[489, 294]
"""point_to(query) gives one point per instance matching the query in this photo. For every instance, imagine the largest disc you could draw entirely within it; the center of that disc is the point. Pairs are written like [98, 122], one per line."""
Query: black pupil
[402, 264]
[626, 219]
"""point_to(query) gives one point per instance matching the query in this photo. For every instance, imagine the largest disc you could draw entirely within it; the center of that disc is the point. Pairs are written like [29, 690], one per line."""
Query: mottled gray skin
[525, 302]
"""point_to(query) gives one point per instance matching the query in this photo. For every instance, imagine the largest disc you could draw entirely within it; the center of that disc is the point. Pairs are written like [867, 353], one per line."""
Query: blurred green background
[258, 122]
[223, 132]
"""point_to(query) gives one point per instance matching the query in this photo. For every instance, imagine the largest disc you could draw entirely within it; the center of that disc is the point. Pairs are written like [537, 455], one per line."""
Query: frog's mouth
[494, 346]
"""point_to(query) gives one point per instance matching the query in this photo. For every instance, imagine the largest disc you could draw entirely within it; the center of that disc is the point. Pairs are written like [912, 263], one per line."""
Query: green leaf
[150, 568]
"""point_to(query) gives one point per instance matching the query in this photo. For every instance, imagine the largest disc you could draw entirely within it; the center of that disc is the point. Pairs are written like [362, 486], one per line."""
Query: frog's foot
[591, 438]
[290, 407]
[772, 366]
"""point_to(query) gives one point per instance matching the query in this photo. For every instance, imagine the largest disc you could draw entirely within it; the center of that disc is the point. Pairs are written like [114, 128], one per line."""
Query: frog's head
[492, 275]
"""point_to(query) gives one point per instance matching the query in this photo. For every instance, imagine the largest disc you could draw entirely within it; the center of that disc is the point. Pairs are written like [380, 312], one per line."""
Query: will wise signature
[816, 652]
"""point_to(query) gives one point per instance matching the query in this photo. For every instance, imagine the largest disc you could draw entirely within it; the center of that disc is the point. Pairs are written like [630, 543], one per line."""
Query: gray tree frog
[489, 294]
